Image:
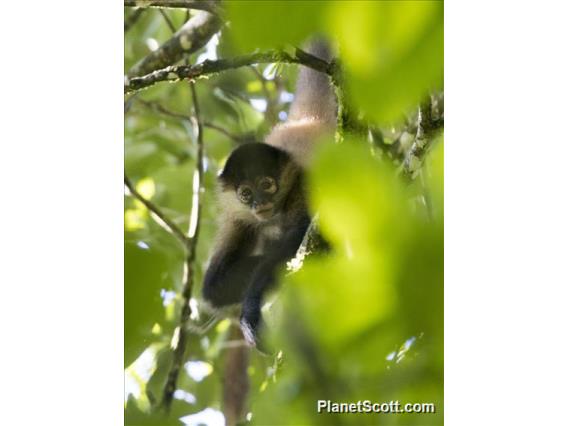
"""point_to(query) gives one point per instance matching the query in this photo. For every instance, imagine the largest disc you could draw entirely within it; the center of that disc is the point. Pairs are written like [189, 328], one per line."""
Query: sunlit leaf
[393, 54]
[269, 24]
[146, 273]
[146, 188]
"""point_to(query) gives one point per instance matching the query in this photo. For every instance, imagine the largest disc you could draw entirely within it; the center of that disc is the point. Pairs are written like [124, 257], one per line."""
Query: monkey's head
[258, 175]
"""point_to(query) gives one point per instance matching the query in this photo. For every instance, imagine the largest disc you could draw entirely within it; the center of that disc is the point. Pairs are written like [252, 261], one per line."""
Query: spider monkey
[262, 196]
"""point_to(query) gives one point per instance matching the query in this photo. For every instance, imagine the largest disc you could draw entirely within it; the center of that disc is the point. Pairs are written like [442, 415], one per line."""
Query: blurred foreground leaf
[393, 52]
[269, 24]
[366, 321]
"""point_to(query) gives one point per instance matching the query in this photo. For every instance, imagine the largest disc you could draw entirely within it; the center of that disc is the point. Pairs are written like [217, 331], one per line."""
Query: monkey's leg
[264, 278]
[227, 278]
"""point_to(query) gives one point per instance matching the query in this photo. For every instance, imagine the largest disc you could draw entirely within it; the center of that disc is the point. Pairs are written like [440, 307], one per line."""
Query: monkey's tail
[315, 97]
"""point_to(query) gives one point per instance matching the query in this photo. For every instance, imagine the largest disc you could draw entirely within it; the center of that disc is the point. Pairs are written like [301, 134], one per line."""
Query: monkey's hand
[249, 331]
[263, 279]
[251, 325]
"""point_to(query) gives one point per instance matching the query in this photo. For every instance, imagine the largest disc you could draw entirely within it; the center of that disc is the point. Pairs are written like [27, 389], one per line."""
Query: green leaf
[147, 270]
[366, 320]
[270, 24]
[393, 52]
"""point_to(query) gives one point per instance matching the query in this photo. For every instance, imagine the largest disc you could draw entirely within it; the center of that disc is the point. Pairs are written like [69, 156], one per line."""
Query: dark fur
[251, 160]
[235, 273]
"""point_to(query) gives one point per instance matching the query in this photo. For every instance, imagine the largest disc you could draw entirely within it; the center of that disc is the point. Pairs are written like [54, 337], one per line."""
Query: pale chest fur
[266, 235]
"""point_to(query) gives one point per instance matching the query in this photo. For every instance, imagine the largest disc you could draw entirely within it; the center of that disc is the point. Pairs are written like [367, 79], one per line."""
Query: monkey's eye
[245, 194]
[267, 184]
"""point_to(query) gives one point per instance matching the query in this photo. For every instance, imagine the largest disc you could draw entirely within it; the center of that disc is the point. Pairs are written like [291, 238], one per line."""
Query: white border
[506, 213]
[61, 216]
[61, 231]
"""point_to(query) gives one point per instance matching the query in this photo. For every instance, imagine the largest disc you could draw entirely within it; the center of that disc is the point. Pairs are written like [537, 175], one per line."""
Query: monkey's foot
[248, 333]
[252, 337]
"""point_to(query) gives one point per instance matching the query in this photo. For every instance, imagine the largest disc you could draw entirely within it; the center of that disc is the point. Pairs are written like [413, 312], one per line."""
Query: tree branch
[192, 36]
[158, 215]
[207, 5]
[179, 339]
[235, 378]
[365, 130]
[425, 132]
[398, 150]
[394, 150]
[312, 242]
[208, 67]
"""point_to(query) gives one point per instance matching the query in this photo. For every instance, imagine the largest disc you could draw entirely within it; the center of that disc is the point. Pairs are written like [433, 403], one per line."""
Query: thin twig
[270, 115]
[208, 67]
[132, 18]
[128, 103]
[155, 106]
[158, 215]
[426, 198]
[207, 5]
[233, 137]
[179, 340]
[169, 22]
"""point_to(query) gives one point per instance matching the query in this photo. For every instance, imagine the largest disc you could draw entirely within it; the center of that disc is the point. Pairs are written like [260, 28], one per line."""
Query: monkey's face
[259, 195]
[254, 173]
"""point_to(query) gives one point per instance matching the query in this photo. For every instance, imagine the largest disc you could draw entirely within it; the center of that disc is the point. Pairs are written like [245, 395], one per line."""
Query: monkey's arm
[264, 276]
[227, 277]
[229, 272]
